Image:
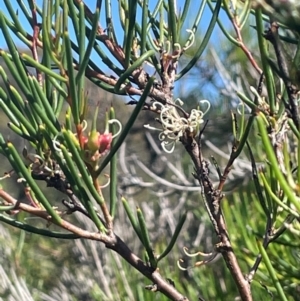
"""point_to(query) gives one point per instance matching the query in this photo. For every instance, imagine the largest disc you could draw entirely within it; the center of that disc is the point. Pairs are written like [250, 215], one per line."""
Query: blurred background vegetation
[33, 267]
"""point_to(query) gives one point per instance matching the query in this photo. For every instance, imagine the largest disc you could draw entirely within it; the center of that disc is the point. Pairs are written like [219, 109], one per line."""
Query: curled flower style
[174, 126]
[177, 48]
[207, 257]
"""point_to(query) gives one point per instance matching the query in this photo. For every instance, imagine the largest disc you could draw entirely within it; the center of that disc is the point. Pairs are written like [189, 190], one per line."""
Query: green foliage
[77, 185]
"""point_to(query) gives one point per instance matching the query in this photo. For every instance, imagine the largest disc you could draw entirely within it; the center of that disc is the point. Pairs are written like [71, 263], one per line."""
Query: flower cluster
[97, 145]
[94, 145]
[173, 125]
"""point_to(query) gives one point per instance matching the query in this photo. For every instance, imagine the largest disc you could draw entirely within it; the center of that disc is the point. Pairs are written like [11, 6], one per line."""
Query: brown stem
[131, 90]
[111, 241]
[243, 46]
[272, 36]
[161, 285]
[212, 199]
[35, 38]
[114, 49]
[227, 169]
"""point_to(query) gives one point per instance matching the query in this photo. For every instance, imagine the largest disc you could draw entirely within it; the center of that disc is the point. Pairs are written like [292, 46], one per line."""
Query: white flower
[173, 125]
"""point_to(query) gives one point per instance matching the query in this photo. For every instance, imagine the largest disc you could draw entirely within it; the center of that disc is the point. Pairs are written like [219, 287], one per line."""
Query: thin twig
[111, 241]
[272, 36]
[35, 38]
[212, 200]
[243, 46]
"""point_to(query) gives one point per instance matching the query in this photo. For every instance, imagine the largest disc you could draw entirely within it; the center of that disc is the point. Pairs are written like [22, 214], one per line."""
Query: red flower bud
[105, 143]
